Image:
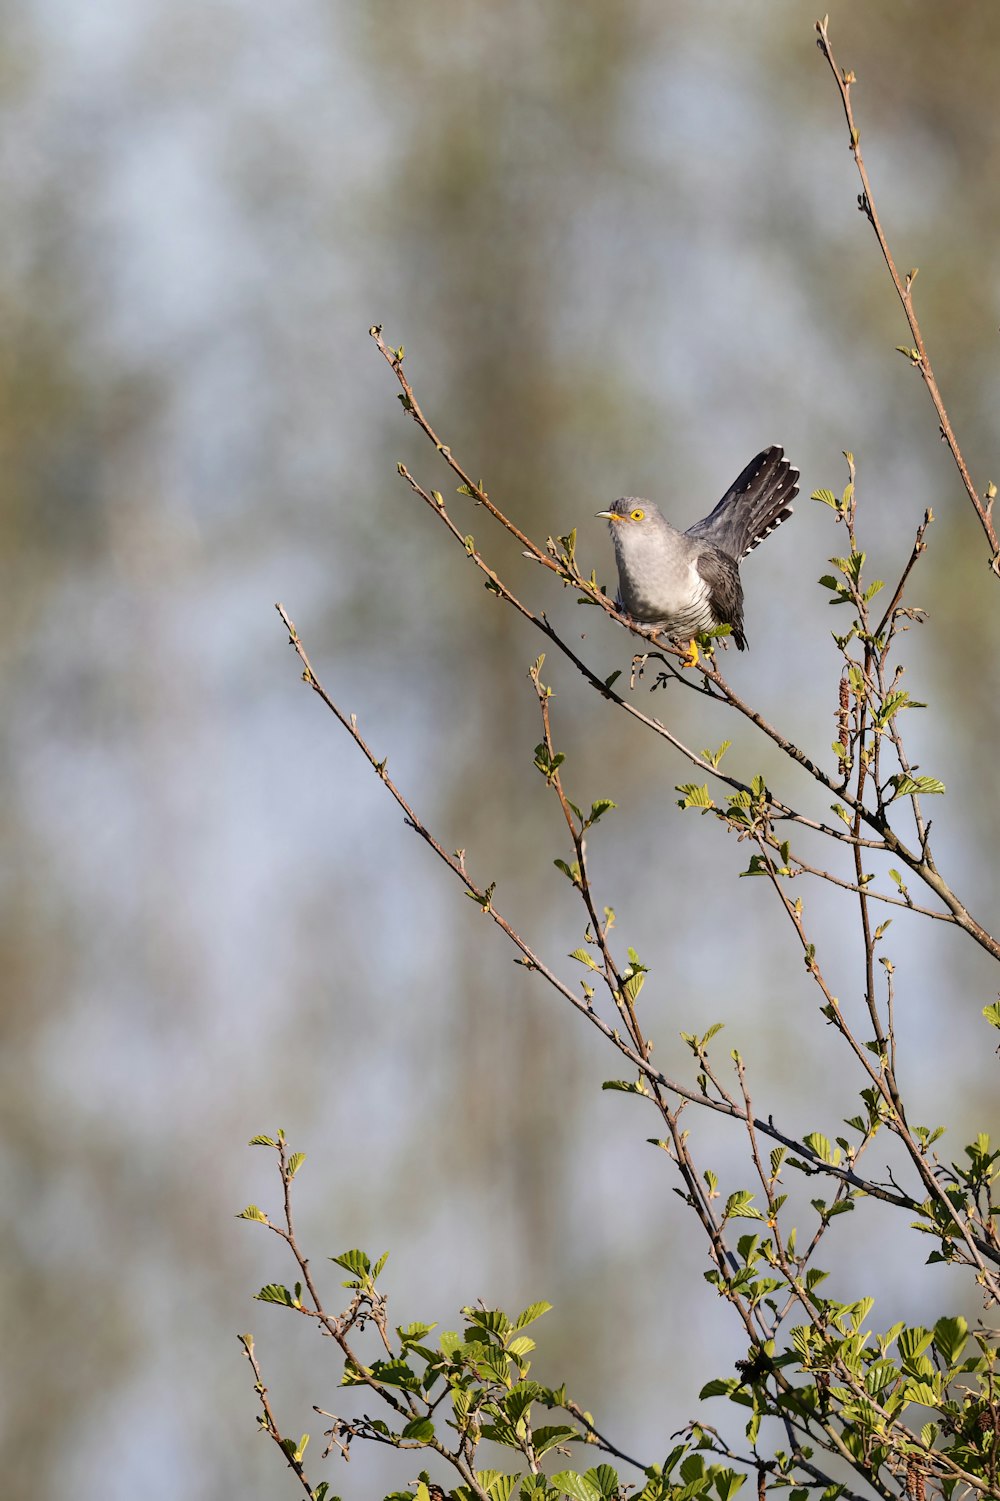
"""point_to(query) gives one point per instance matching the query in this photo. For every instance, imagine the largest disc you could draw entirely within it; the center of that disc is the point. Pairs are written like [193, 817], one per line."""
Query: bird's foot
[690, 657]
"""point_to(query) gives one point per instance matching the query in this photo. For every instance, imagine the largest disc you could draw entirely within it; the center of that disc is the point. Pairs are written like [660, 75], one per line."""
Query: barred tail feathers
[754, 505]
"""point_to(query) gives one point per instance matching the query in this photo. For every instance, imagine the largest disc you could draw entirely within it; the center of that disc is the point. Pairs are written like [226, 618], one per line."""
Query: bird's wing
[725, 592]
[758, 501]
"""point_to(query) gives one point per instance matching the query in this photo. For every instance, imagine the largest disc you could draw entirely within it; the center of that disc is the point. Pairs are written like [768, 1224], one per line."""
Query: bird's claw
[690, 657]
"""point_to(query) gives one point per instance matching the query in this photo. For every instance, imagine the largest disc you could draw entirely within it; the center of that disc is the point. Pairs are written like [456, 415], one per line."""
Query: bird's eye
[637, 514]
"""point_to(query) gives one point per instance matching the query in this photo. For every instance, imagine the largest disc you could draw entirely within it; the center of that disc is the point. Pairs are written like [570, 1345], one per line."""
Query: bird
[684, 583]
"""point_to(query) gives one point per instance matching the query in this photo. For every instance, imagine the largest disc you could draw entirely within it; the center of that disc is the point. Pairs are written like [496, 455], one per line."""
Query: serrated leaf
[492, 1320]
[950, 1338]
[920, 1391]
[531, 1313]
[544, 1439]
[739, 1206]
[694, 796]
[606, 1480]
[520, 1398]
[913, 1342]
[632, 985]
[826, 497]
[582, 956]
[518, 1348]
[905, 785]
[394, 1373]
[719, 1387]
[727, 1483]
[261, 1141]
[598, 809]
[577, 1487]
[273, 1292]
[251, 1212]
[295, 1161]
[420, 1429]
[820, 1145]
[353, 1261]
[716, 756]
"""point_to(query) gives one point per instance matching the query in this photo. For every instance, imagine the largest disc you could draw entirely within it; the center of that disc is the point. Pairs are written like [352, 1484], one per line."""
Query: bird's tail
[756, 503]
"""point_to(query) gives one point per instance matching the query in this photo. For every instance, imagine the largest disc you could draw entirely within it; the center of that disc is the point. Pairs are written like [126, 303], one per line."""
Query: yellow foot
[690, 658]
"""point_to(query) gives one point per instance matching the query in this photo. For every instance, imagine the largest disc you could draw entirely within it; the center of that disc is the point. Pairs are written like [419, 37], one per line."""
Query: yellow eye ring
[637, 515]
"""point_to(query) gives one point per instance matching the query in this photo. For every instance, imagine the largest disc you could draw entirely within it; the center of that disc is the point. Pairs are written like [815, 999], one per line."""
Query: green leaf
[694, 796]
[913, 1342]
[727, 1483]
[582, 956]
[414, 1333]
[920, 1391]
[496, 1484]
[421, 1429]
[544, 1439]
[262, 1141]
[394, 1373]
[251, 1212]
[738, 1206]
[714, 757]
[295, 1161]
[501, 1488]
[950, 1338]
[820, 1146]
[905, 785]
[520, 1398]
[599, 808]
[606, 1480]
[719, 1387]
[632, 984]
[531, 1313]
[353, 1261]
[992, 1014]
[569, 1483]
[827, 498]
[275, 1293]
[492, 1320]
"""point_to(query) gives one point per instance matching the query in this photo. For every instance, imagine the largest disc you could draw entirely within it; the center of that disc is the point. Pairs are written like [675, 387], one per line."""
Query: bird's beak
[608, 515]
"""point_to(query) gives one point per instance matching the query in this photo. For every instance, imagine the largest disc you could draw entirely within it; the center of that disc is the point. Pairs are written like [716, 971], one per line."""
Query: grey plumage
[688, 582]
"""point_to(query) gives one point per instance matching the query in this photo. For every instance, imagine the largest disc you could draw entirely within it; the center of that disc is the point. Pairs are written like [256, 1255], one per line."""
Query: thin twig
[904, 291]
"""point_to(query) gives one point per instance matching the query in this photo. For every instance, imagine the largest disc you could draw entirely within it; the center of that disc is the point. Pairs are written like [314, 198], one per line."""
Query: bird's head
[632, 516]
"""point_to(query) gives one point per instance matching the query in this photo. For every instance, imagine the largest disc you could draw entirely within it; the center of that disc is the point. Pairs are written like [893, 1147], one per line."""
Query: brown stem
[904, 291]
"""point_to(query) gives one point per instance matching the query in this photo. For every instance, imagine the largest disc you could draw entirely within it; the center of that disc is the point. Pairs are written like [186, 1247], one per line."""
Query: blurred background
[621, 247]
